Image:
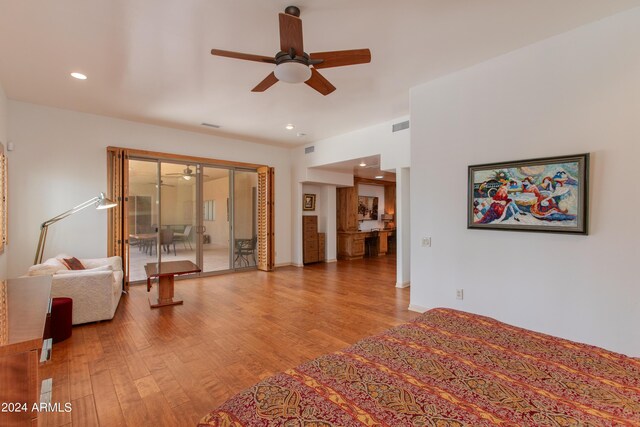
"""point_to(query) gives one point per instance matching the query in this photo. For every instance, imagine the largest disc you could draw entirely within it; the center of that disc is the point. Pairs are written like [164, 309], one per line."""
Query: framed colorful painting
[548, 195]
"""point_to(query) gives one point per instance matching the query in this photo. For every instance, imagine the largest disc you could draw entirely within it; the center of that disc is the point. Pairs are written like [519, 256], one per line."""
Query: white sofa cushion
[50, 266]
[42, 270]
[115, 262]
[95, 291]
[87, 270]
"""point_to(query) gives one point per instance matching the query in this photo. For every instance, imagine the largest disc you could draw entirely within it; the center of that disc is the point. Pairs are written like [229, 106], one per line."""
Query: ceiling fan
[293, 64]
[186, 174]
[162, 184]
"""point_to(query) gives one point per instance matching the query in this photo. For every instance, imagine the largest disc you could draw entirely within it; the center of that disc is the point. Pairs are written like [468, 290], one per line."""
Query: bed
[447, 368]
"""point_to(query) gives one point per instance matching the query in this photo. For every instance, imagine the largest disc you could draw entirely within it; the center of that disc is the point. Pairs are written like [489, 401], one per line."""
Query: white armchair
[95, 291]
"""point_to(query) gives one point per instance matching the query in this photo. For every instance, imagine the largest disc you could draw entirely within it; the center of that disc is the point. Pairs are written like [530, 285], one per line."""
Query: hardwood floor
[170, 366]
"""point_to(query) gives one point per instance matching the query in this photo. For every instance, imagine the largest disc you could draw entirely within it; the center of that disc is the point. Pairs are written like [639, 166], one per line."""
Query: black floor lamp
[100, 202]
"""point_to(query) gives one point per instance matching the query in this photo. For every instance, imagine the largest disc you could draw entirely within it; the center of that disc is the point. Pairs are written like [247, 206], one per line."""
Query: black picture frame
[548, 194]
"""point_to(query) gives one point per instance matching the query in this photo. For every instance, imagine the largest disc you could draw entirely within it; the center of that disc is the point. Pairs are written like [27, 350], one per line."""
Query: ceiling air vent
[211, 125]
[400, 126]
[308, 150]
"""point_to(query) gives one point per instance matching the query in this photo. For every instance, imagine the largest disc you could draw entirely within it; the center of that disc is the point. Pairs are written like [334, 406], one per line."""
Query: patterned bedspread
[447, 368]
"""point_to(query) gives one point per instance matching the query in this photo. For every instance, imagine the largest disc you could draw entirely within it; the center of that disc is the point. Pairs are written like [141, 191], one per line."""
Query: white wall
[320, 209]
[3, 140]
[576, 92]
[394, 151]
[402, 219]
[60, 161]
[393, 147]
[326, 212]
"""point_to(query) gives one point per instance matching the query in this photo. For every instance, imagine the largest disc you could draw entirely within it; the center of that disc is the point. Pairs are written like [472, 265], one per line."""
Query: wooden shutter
[266, 219]
[118, 177]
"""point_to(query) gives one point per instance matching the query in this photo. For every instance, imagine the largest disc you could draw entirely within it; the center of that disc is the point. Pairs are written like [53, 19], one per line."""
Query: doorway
[179, 210]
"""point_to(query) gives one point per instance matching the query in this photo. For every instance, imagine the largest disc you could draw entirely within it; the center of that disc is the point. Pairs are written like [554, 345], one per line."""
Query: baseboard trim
[331, 260]
[417, 308]
[403, 284]
[284, 264]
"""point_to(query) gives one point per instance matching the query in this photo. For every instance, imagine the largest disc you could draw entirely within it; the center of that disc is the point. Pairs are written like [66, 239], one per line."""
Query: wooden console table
[166, 274]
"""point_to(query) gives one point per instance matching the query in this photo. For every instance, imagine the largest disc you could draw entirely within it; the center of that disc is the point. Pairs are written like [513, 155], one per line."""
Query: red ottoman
[61, 318]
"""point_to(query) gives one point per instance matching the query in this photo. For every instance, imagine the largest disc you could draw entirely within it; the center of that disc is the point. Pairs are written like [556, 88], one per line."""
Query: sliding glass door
[178, 207]
[216, 222]
[142, 216]
[191, 211]
[245, 230]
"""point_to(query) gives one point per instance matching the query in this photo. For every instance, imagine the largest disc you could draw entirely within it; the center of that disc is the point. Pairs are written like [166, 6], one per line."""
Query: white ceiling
[370, 171]
[149, 60]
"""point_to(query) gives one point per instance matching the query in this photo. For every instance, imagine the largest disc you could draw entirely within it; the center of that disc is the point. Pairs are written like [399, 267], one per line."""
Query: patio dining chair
[184, 237]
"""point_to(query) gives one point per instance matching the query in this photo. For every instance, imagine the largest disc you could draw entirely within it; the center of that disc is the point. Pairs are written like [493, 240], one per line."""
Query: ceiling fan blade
[319, 83]
[340, 58]
[269, 81]
[245, 56]
[181, 175]
[291, 34]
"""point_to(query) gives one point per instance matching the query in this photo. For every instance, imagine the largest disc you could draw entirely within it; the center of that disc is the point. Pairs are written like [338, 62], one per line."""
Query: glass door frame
[232, 219]
[199, 217]
[232, 215]
[201, 229]
[118, 182]
[198, 205]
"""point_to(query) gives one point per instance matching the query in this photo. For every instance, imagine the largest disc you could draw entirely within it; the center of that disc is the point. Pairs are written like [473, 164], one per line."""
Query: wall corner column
[403, 229]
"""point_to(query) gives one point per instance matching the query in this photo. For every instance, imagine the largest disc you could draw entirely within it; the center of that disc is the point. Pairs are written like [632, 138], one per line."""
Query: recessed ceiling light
[379, 176]
[289, 127]
[362, 164]
[79, 76]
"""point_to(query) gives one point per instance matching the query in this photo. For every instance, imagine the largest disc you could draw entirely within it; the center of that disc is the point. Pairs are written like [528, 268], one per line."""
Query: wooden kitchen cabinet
[313, 243]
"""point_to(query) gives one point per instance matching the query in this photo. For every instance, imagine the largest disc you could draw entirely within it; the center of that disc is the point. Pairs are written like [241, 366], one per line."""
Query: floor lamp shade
[100, 202]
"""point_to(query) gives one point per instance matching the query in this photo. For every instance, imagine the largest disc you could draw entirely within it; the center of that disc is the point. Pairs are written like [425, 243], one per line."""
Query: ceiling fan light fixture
[292, 72]
[187, 177]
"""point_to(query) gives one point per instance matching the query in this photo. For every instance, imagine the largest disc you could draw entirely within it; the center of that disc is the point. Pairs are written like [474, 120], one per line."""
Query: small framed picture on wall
[309, 202]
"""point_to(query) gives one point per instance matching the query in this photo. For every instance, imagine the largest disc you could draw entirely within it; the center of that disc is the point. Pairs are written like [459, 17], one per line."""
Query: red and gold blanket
[447, 368]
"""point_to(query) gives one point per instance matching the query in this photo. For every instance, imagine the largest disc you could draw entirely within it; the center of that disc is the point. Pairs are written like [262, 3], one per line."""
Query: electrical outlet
[459, 293]
[426, 242]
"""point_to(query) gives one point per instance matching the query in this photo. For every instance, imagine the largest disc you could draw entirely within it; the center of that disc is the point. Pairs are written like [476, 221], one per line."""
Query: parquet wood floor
[170, 366]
